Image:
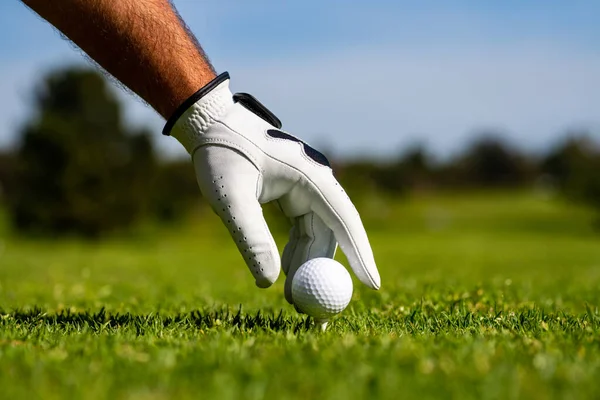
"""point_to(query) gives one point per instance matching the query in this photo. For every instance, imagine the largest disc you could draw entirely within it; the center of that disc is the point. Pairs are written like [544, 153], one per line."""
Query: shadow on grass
[152, 323]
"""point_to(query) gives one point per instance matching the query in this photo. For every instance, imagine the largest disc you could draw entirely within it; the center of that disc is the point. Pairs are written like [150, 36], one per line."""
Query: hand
[243, 159]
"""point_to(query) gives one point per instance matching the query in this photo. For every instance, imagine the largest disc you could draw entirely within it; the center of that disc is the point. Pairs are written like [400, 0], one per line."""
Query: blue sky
[368, 76]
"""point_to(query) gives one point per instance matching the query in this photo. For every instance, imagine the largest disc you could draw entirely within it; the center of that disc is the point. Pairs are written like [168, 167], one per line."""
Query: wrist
[195, 115]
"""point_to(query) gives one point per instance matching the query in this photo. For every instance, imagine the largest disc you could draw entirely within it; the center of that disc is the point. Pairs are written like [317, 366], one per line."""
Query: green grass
[484, 296]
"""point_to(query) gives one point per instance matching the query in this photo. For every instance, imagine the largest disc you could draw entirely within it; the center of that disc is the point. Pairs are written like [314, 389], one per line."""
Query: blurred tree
[574, 165]
[568, 161]
[489, 161]
[7, 172]
[176, 190]
[356, 176]
[415, 168]
[79, 170]
[365, 177]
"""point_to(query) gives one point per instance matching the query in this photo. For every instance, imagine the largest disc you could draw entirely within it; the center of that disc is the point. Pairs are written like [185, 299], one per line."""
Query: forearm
[142, 43]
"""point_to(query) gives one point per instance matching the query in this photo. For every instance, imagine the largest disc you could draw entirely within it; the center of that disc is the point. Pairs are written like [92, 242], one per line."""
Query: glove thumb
[230, 183]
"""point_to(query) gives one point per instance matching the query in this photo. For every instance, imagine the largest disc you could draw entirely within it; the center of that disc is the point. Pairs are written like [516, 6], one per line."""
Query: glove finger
[309, 238]
[335, 208]
[290, 247]
[229, 181]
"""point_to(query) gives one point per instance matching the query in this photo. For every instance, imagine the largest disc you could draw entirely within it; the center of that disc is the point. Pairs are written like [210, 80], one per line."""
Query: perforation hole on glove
[226, 208]
[226, 213]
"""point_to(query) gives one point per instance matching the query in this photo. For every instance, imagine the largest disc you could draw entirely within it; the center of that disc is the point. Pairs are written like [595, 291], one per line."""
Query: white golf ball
[321, 288]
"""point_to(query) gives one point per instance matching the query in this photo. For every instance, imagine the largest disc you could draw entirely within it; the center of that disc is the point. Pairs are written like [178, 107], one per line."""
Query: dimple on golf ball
[321, 288]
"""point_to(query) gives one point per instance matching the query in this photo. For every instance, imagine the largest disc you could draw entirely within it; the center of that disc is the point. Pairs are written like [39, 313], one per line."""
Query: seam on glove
[293, 251]
[265, 225]
[312, 230]
[269, 138]
[259, 183]
[300, 143]
[226, 143]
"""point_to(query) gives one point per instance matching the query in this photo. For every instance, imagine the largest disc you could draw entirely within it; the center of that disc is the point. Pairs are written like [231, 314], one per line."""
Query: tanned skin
[144, 44]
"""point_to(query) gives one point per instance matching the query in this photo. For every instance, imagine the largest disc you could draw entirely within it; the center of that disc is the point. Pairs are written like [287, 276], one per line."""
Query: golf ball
[321, 288]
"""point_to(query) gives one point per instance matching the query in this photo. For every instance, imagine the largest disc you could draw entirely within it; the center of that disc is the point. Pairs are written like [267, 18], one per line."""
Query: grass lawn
[484, 296]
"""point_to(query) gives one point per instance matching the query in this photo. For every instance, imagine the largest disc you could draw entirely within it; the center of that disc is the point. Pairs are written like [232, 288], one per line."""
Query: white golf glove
[243, 159]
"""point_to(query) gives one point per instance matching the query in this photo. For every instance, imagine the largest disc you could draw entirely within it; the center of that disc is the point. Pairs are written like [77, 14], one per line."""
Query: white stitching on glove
[243, 161]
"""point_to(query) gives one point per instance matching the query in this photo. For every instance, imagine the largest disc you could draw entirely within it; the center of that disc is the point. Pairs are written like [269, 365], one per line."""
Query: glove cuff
[197, 113]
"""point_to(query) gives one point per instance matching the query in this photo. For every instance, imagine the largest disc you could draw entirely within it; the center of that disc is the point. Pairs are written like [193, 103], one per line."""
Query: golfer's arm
[142, 43]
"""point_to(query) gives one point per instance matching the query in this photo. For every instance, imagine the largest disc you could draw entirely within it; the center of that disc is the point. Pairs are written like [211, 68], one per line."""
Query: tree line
[571, 168]
[79, 170]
